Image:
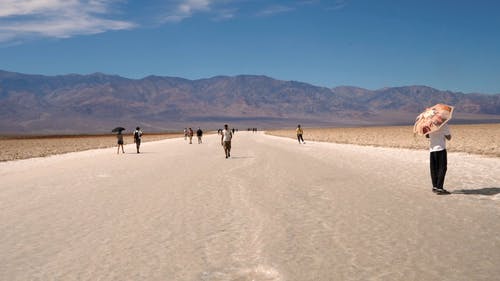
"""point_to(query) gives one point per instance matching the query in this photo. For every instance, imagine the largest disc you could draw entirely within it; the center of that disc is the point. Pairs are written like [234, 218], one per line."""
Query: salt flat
[276, 210]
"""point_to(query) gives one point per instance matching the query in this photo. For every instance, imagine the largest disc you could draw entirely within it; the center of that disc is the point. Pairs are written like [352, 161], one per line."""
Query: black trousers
[439, 165]
[300, 138]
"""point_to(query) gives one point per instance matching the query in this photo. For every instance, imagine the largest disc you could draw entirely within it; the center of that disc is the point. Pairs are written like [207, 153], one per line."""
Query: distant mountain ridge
[94, 103]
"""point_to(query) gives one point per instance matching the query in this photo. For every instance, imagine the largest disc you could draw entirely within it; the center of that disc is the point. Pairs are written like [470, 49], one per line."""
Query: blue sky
[449, 45]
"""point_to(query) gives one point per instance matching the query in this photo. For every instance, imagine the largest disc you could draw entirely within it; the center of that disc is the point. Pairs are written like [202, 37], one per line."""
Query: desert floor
[275, 210]
[481, 139]
[14, 148]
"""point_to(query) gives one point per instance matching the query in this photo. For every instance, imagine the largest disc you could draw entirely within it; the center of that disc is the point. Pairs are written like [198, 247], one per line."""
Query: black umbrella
[118, 129]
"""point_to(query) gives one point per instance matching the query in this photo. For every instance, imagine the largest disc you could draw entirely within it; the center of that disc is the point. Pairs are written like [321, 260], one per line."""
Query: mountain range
[98, 102]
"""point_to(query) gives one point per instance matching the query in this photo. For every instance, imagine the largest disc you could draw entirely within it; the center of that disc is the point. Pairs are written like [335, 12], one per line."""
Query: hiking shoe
[435, 189]
[441, 191]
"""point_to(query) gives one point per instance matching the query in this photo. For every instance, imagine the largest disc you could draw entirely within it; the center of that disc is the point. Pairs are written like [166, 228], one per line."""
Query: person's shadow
[488, 191]
[241, 157]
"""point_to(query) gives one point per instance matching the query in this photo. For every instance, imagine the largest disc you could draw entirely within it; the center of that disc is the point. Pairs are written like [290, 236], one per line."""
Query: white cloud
[15, 8]
[22, 19]
[338, 5]
[225, 14]
[186, 8]
[220, 10]
[277, 9]
[56, 18]
[309, 2]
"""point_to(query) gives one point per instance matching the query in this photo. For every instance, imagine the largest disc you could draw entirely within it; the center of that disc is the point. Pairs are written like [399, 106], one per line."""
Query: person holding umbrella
[439, 158]
[433, 124]
[119, 138]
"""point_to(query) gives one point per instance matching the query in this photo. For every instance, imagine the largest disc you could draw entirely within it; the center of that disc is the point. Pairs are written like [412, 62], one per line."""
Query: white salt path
[276, 210]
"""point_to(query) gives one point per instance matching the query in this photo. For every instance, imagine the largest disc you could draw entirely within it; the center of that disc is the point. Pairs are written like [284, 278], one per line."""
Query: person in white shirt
[225, 140]
[438, 158]
[137, 138]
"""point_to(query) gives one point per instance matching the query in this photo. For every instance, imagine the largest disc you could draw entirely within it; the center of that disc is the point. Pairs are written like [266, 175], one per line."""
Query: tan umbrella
[432, 119]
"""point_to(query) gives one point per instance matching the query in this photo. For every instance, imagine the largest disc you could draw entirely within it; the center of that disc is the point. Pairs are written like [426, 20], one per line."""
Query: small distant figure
[185, 133]
[137, 138]
[199, 134]
[119, 137]
[439, 158]
[233, 130]
[190, 135]
[225, 140]
[300, 132]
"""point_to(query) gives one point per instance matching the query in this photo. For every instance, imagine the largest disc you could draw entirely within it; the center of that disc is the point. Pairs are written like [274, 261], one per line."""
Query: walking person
[119, 137]
[225, 140]
[190, 135]
[439, 158]
[199, 134]
[137, 138]
[300, 132]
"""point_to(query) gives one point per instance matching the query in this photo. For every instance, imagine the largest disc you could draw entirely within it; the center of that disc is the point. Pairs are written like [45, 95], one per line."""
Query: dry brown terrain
[13, 148]
[481, 139]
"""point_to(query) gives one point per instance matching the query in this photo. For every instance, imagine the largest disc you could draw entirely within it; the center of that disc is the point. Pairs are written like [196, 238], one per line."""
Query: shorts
[227, 145]
[120, 142]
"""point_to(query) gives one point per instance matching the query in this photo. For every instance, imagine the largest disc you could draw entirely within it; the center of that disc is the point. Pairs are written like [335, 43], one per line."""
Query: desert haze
[275, 210]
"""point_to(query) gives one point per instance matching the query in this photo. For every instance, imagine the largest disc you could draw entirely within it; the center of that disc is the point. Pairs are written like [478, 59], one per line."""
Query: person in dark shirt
[119, 137]
[199, 134]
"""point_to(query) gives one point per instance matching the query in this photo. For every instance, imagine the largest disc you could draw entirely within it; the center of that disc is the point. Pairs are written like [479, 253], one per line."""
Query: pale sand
[276, 210]
[14, 148]
[481, 139]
